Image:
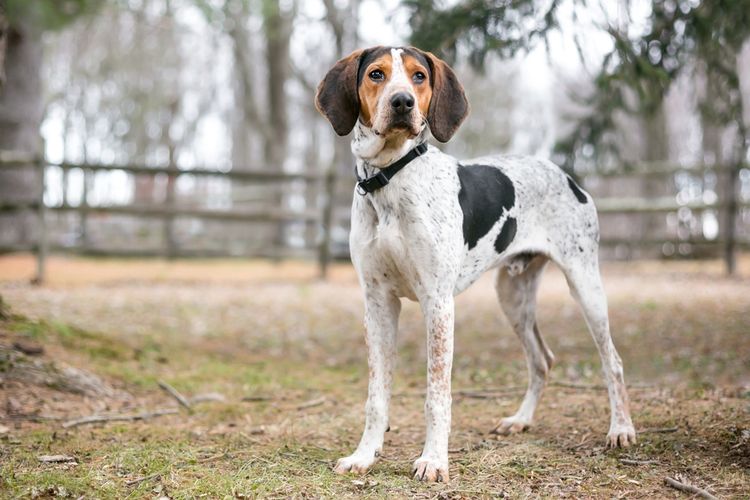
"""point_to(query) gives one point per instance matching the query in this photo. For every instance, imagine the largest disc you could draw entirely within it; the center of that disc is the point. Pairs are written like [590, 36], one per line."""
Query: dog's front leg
[433, 464]
[381, 324]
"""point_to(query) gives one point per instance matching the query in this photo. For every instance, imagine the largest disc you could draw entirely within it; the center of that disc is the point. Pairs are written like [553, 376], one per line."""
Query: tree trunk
[278, 31]
[21, 110]
[715, 155]
[248, 127]
[259, 132]
[4, 31]
[655, 149]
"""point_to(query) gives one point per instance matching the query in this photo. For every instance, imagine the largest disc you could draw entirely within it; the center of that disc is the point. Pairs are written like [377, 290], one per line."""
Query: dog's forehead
[394, 54]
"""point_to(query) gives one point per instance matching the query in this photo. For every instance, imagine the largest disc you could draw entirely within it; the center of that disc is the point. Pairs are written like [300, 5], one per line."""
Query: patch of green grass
[649, 305]
[56, 483]
[95, 346]
[132, 374]
[35, 330]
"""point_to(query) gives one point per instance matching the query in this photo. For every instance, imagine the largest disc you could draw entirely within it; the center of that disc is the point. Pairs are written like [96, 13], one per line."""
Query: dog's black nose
[402, 102]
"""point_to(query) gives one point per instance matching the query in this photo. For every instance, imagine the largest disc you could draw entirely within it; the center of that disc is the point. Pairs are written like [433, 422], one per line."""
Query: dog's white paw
[431, 470]
[511, 425]
[621, 435]
[355, 464]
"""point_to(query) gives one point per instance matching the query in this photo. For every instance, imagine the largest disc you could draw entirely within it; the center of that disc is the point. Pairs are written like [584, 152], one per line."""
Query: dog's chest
[410, 231]
[389, 238]
[390, 253]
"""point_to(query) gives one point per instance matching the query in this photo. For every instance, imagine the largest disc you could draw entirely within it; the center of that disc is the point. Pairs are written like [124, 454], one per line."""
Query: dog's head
[393, 91]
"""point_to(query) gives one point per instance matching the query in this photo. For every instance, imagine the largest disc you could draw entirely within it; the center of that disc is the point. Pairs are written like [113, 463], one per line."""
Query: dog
[425, 226]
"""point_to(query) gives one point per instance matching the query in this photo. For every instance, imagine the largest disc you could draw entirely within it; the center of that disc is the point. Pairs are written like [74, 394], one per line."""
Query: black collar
[381, 179]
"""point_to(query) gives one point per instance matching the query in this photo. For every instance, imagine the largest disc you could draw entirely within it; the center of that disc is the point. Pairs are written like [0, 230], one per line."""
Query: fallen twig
[574, 385]
[631, 461]
[175, 394]
[33, 418]
[312, 403]
[139, 480]
[477, 393]
[213, 457]
[56, 459]
[94, 419]
[487, 394]
[583, 442]
[256, 399]
[594, 387]
[210, 396]
[688, 488]
[659, 430]
[255, 431]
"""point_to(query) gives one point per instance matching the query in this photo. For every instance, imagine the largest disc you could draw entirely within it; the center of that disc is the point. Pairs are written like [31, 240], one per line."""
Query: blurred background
[187, 127]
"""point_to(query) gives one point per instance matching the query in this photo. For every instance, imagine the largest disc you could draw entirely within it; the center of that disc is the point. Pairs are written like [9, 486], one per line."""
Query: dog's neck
[373, 151]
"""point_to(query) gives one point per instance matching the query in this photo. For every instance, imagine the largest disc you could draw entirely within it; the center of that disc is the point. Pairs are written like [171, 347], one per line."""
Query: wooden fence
[322, 217]
[168, 210]
[731, 210]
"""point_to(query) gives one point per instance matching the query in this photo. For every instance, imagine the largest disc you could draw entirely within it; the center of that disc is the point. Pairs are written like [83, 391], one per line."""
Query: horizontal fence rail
[320, 217]
[665, 204]
[170, 210]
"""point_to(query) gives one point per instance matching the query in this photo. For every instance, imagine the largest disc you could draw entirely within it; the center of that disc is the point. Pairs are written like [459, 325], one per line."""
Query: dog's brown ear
[448, 106]
[337, 97]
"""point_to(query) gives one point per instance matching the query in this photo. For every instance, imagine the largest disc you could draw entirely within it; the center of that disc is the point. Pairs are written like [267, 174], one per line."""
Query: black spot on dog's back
[486, 193]
[577, 190]
[507, 233]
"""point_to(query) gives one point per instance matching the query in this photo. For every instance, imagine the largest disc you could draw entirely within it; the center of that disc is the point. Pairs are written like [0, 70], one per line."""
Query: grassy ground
[287, 354]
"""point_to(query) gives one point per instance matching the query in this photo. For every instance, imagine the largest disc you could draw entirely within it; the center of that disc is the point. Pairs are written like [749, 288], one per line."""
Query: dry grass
[276, 334]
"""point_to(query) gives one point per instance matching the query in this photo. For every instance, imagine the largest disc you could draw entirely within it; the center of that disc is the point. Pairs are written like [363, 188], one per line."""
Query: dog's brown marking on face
[422, 88]
[371, 88]
[378, 74]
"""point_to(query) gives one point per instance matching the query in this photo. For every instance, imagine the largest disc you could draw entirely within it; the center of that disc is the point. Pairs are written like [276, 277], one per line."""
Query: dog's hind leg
[516, 288]
[586, 287]
[381, 324]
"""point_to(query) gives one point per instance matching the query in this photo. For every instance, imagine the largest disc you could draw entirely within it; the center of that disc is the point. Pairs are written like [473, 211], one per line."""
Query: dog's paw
[621, 435]
[431, 470]
[511, 425]
[354, 464]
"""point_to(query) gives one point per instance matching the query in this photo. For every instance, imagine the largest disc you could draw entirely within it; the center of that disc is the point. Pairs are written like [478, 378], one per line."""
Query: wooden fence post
[84, 210]
[42, 241]
[324, 253]
[730, 218]
[170, 244]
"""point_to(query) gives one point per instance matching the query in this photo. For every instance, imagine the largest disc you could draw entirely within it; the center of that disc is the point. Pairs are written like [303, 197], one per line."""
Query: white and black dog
[432, 230]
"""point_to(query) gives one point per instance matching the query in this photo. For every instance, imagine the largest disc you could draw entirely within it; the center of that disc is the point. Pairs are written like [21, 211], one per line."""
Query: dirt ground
[285, 354]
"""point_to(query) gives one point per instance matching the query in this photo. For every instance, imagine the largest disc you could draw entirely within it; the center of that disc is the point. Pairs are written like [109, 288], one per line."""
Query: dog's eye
[418, 77]
[376, 75]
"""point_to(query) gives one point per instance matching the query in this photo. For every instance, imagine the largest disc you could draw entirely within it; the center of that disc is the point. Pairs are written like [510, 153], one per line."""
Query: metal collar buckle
[371, 184]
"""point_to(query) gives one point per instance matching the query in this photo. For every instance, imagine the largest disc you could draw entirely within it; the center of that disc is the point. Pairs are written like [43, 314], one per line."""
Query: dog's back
[517, 205]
